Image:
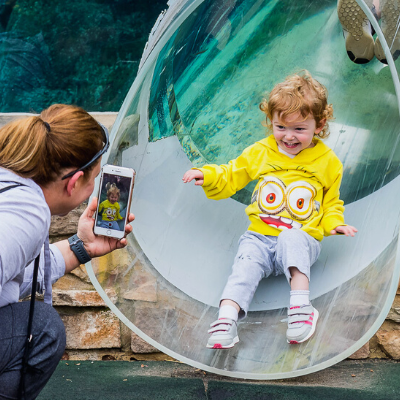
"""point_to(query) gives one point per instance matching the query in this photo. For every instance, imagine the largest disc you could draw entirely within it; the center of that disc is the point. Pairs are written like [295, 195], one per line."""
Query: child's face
[295, 133]
[113, 198]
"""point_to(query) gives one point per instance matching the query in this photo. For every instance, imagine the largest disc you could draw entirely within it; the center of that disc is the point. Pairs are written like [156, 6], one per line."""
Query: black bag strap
[10, 187]
[29, 342]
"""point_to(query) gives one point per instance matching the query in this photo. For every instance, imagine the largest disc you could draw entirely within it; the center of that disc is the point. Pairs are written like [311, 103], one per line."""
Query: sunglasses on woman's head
[96, 157]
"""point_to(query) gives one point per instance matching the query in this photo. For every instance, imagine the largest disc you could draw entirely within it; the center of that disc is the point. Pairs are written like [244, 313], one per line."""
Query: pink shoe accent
[217, 346]
[292, 308]
[293, 342]
[306, 322]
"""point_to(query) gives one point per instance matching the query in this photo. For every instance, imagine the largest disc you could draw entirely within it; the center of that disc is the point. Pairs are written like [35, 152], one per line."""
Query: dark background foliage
[83, 52]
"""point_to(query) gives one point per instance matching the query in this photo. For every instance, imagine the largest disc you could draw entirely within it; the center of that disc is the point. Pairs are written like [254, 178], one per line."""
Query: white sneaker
[223, 334]
[357, 31]
[302, 321]
[390, 19]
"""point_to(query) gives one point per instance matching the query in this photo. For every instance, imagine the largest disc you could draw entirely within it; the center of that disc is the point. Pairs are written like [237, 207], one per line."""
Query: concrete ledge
[106, 118]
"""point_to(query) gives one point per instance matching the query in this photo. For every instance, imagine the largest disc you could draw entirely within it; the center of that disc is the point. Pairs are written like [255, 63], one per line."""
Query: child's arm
[194, 174]
[347, 230]
[223, 181]
[333, 219]
[118, 208]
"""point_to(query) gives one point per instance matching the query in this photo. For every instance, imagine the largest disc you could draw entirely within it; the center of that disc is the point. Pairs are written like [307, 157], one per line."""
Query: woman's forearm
[71, 262]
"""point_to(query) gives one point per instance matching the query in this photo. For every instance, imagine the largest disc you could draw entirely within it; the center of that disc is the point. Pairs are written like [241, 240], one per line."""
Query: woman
[48, 164]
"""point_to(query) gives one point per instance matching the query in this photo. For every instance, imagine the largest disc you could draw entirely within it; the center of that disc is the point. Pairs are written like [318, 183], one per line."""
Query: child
[110, 208]
[294, 205]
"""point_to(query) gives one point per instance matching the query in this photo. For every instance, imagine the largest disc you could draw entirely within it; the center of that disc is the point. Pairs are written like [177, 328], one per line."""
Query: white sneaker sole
[314, 325]
[220, 346]
[359, 41]
[390, 28]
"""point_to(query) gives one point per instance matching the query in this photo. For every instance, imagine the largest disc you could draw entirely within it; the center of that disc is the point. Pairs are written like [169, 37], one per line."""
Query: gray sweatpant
[260, 256]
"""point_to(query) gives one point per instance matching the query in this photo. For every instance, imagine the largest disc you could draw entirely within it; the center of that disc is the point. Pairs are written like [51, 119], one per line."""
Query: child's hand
[345, 230]
[194, 174]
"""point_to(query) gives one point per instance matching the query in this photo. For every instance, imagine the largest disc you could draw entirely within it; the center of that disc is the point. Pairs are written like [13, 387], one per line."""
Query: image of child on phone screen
[110, 208]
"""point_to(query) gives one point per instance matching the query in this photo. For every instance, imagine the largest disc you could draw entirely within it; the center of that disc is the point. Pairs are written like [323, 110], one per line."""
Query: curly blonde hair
[112, 189]
[301, 93]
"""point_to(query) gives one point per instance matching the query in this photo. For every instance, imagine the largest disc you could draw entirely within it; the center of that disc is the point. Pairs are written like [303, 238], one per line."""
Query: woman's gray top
[24, 229]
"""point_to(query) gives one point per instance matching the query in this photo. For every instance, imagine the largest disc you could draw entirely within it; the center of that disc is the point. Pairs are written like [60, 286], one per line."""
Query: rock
[152, 357]
[138, 345]
[71, 282]
[81, 298]
[92, 330]
[375, 350]
[146, 292]
[153, 326]
[81, 273]
[361, 353]
[109, 267]
[144, 287]
[388, 337]
[108, 357]
[66, 225]
[394, 313]
[125, 338]
[96, 354]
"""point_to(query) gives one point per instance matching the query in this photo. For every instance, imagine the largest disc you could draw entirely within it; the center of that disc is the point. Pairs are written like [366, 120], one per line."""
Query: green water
[83, 52]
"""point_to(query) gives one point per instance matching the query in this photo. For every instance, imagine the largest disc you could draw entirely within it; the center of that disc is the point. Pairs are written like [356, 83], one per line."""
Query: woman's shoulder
[25, 221]
[24, 199]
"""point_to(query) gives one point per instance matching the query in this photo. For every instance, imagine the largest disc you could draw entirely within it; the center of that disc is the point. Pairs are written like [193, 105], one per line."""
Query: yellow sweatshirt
[110, 211]
[300, 192]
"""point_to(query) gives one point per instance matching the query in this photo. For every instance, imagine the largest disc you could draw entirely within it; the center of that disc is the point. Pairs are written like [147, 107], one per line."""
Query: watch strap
[78, 249]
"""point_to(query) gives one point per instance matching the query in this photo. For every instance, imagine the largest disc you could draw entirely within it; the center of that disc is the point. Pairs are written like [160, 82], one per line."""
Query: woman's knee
[51, 328]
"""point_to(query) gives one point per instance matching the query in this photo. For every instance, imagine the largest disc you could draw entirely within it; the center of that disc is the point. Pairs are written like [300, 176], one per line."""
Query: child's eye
[280, 126]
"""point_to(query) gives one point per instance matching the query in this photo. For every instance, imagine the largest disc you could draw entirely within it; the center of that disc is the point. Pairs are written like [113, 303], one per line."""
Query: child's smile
[113, 198]
[295, 133]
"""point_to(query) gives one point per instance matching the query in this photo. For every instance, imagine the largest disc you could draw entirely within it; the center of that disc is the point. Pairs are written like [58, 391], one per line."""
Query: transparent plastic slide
[206, 68]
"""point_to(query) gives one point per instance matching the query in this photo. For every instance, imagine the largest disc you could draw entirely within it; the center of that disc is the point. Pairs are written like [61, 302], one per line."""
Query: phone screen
[113, 202]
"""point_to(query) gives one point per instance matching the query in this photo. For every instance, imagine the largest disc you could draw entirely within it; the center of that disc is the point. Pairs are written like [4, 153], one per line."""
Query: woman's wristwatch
[78, 249]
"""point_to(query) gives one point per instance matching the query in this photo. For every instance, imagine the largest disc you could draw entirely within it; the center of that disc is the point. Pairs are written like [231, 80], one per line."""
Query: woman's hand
[345, 230]
[98, 245]
[194, 174]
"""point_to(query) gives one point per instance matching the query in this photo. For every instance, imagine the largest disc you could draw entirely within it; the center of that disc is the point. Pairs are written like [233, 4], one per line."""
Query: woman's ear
[72, 182]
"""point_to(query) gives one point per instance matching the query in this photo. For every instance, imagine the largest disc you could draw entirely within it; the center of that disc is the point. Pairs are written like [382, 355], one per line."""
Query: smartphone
[114, 200]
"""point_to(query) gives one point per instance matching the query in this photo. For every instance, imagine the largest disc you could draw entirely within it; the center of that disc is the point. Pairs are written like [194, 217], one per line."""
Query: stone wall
[95, 333]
